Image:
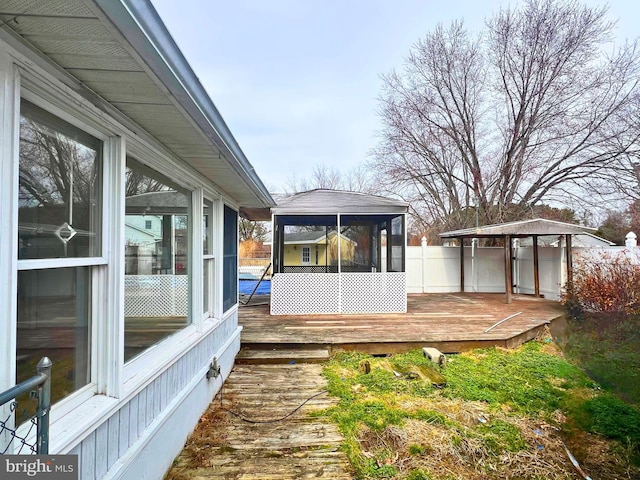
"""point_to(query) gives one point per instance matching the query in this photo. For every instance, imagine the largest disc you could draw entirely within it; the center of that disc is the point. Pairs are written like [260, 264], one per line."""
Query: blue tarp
[247, 286]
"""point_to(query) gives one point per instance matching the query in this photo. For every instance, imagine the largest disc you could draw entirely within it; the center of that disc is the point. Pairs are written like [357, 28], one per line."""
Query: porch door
[306, 255]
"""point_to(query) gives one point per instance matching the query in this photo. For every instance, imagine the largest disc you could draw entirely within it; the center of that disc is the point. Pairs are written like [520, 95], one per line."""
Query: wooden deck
[300, 446]
[450, 322]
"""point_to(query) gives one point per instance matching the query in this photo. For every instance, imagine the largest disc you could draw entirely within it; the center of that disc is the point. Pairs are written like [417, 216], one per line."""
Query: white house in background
[580, 240]
[121, 187]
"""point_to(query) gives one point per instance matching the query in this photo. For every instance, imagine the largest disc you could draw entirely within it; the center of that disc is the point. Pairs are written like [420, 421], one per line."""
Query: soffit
[77, 37]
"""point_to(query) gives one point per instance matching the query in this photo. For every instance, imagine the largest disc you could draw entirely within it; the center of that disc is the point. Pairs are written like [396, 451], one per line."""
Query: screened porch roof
[333, 202]
[120, 56]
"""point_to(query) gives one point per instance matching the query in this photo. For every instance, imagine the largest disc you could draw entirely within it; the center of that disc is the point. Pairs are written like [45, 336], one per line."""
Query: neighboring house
[585, 240]
[121, 188]
[316, 248]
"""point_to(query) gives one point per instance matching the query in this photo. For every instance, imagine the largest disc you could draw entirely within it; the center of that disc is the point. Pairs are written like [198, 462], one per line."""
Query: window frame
[305, 249]
[209, 261]
[96, 264]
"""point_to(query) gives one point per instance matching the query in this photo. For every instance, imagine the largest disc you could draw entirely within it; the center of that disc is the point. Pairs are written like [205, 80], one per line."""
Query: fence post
[423, 244]
[631, 240]
[44, 405]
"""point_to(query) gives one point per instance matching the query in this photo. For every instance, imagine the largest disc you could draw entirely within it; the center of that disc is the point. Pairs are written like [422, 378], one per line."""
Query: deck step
[281, 355]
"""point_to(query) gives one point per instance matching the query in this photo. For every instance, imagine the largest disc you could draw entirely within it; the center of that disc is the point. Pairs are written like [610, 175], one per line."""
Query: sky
[298, 81]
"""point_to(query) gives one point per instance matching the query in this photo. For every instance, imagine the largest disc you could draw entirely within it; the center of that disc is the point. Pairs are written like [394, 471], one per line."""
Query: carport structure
[359, 267]
[521, 229]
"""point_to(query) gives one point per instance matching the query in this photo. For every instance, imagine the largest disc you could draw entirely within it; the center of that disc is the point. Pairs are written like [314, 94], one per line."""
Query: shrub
[604, 283]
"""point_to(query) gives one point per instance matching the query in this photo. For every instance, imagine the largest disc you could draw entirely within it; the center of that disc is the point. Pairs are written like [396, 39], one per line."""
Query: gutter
[141, 26]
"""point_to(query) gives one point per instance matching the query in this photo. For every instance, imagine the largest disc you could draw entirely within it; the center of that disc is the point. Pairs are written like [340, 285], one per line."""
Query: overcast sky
[297, 81]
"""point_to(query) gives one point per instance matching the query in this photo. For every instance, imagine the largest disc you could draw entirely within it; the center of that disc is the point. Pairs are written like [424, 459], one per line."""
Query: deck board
[453, 322]
[300, 446]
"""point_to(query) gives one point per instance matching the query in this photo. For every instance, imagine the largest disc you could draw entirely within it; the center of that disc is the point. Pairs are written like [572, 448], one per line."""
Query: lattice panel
[156, 295]
[373, 292]
[310, 269]
[305, 293]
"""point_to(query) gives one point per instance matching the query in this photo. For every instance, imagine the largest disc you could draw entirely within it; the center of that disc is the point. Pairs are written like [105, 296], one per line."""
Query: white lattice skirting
[351, 293]
[156, 295]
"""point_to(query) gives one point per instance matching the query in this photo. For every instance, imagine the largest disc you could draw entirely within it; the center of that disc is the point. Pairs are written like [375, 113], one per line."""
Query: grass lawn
[608, 349]
[502, 414]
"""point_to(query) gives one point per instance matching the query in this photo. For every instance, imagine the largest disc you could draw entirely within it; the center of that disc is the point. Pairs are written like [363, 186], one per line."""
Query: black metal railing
[310, 269]
[19, 439]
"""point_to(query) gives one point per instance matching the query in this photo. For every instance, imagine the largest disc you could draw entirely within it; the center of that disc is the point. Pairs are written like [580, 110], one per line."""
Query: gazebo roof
[332, 202]
[522, 228]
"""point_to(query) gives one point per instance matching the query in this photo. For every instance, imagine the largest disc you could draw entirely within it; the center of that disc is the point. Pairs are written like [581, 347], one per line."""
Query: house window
[306, 255]
[59, 220]
[156, 261]
[60, 188]
[230, 261]
[208, 258]
[147, 224]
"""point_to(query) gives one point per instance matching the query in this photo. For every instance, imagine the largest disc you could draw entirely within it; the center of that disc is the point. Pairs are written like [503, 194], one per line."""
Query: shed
[368, 277]
[533, 228]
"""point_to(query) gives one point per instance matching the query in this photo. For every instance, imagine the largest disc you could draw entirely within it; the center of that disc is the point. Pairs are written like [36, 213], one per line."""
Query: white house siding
[130, 419]
[141, 439]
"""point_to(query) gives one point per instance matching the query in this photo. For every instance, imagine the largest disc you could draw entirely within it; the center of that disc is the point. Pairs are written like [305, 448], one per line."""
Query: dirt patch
[450, 450]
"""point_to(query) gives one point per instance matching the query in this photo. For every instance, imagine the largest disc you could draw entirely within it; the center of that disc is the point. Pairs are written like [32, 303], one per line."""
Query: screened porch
[338, 252]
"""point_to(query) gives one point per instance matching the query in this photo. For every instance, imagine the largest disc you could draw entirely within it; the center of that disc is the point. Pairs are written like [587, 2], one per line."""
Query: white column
[110, 330]
[9, 134]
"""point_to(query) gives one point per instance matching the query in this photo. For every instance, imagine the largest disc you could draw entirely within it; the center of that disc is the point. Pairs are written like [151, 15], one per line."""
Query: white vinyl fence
[432, 269]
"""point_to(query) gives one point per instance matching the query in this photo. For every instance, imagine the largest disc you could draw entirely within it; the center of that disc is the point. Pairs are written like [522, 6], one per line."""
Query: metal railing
[310, 269]
[39, 387]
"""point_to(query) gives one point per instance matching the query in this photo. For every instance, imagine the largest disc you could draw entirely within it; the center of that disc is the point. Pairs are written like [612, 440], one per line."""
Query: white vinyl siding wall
[133, 418]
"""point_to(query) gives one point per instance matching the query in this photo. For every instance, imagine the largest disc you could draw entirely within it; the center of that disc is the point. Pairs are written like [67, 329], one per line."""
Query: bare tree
[253, 230]
[358, 179]
[530, 111]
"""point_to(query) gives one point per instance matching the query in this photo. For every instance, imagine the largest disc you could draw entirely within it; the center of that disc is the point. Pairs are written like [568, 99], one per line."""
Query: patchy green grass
[503, 414]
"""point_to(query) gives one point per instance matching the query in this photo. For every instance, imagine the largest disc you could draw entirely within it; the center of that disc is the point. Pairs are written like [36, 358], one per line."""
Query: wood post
[569, 257]
[461, 264]
[536, 271]
[508, 282]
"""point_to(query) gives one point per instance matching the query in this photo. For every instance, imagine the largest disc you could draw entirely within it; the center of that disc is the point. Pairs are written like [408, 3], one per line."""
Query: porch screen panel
[396, 241]
[230, 260]
[305, 244]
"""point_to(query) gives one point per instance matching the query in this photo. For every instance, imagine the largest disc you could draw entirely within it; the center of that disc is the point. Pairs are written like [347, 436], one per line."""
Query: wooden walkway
[225, 447]
[450, 322]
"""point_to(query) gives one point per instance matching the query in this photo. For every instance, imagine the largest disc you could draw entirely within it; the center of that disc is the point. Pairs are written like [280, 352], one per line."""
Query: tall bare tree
[357, 179]
[540, 107]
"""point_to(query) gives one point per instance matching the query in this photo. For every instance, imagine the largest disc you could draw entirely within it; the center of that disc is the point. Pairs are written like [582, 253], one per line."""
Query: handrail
[41, 382]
